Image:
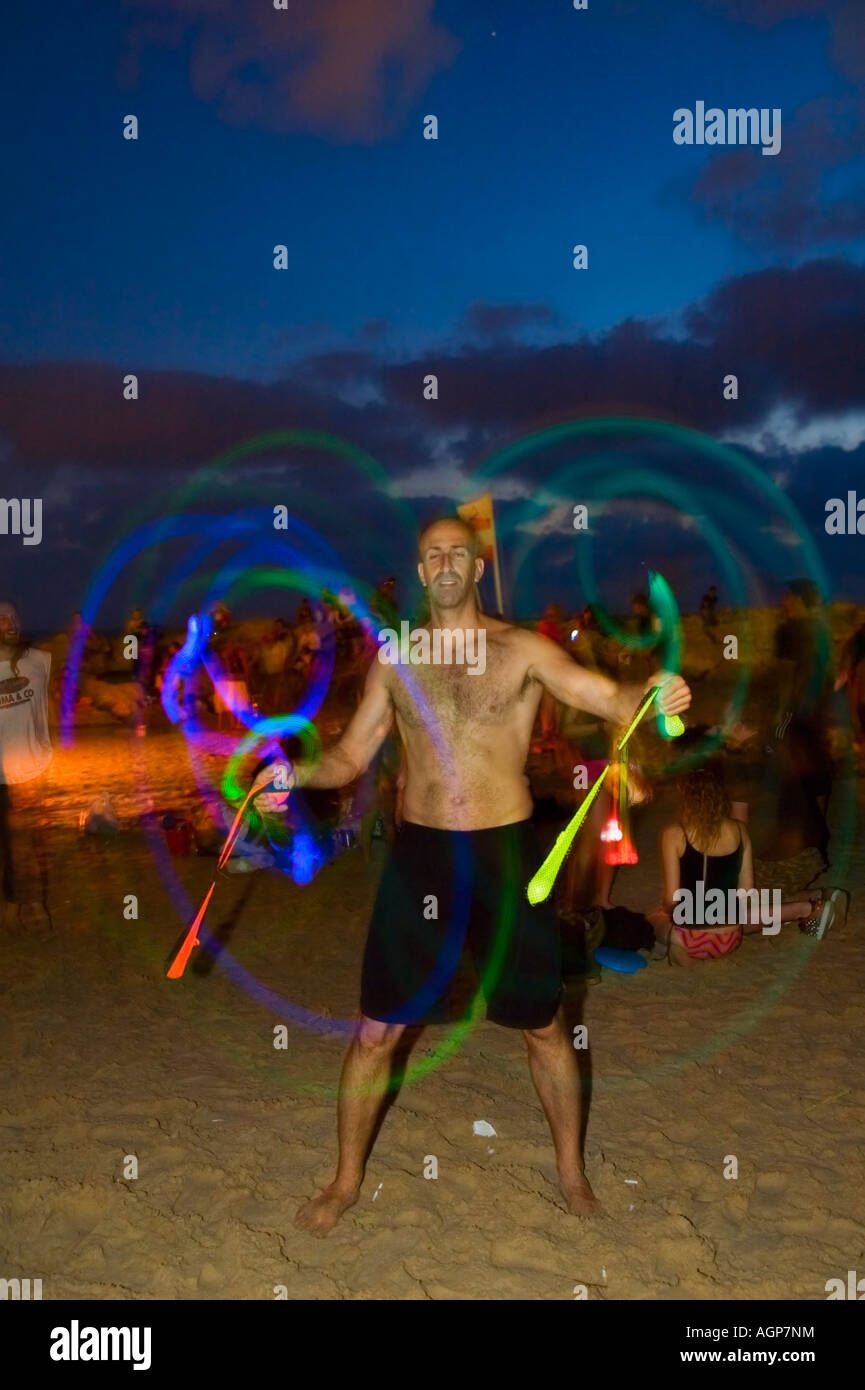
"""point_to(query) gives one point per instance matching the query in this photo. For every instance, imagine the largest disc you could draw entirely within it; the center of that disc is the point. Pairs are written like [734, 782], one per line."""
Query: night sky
[408, 256]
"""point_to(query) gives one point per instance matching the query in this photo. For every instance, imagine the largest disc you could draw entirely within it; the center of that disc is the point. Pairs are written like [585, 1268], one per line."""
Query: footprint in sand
[529, 1251]
[770, 1195]
[210, 1277]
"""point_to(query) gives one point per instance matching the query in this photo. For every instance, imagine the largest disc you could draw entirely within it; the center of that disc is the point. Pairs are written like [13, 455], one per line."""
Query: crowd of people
[264, 671]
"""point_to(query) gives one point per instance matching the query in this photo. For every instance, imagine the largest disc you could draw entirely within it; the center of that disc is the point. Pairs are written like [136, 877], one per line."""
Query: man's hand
[282, 778]
[674, 696]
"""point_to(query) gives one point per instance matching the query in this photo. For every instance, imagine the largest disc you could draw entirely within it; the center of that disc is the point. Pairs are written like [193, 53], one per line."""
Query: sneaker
[822, 921]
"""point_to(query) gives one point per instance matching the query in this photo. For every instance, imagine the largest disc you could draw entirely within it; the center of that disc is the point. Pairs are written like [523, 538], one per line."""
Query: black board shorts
[442, 890]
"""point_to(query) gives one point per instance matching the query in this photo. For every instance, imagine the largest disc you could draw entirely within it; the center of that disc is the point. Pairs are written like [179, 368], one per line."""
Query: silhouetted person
[25, 754]
[709, 612]
[803, 654]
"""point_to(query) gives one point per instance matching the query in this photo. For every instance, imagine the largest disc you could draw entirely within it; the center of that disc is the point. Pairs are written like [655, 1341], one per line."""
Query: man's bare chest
[451, 697]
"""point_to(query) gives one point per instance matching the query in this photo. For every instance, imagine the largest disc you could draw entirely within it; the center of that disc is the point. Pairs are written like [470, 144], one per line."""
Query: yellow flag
[479, 514]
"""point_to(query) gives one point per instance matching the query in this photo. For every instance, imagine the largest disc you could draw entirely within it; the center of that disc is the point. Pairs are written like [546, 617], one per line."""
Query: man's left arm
[589, 690]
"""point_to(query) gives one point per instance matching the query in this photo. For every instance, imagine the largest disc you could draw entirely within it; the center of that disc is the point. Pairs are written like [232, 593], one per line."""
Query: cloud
[782, 533]
[454, 483]
[789, 334]
[504, 385]
[795, 337]
[784, 202]
[348, 70]
[491, 321]
[52, 411]
[554, 522]
[785, 432]
[634, 512]
[781, 203]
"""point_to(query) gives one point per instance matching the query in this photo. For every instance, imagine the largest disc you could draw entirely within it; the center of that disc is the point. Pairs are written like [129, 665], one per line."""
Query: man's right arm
[367, 731]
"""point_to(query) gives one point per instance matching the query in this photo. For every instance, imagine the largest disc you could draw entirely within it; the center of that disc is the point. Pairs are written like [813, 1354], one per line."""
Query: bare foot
[321, 1214]
[579, 1197]
[34, 916]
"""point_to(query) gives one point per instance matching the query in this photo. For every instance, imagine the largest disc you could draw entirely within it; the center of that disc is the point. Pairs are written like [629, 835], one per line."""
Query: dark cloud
[350, 70]
[72, 410]
[341, 367]
[792, 336]
[797, 335]
[505, 385]
[781, 202]
[490, 321]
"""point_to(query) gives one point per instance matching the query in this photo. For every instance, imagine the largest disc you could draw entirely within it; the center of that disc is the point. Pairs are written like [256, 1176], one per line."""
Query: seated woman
[706, 845]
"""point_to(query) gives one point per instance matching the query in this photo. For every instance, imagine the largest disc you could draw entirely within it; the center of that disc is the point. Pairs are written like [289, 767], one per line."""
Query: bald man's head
[449, 521]
[449, 565]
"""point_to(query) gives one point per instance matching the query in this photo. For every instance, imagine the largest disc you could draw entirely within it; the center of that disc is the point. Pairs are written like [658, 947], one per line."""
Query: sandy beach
[106, 1059]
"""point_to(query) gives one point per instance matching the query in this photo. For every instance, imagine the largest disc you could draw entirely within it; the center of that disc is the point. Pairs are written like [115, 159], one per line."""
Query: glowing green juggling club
[540, 886]
[662, 600]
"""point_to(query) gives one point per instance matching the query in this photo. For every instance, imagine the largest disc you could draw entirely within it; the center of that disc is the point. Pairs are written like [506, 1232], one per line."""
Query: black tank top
[720, 871]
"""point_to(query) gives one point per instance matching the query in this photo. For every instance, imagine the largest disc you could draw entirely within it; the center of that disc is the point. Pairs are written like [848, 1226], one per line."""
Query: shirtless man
[467, 839]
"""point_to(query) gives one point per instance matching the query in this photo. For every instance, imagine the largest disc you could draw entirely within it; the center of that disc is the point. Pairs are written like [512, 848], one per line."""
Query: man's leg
[401, 950]
[362, 1087]
[28, 857]
[554, 1072]
[6, 844]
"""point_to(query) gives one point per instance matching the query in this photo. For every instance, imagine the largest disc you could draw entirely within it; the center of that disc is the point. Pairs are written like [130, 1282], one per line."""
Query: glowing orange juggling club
[621, 852]
[178, 965]
[620, 848]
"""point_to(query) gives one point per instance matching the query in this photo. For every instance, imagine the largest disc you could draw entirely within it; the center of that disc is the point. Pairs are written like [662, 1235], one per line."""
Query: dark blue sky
[407, 256]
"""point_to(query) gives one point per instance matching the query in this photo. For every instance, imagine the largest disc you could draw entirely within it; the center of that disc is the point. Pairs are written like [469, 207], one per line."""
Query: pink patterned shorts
[708, 943]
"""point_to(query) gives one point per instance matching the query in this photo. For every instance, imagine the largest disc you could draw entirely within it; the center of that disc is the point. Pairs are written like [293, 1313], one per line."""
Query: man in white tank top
[25, 753]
